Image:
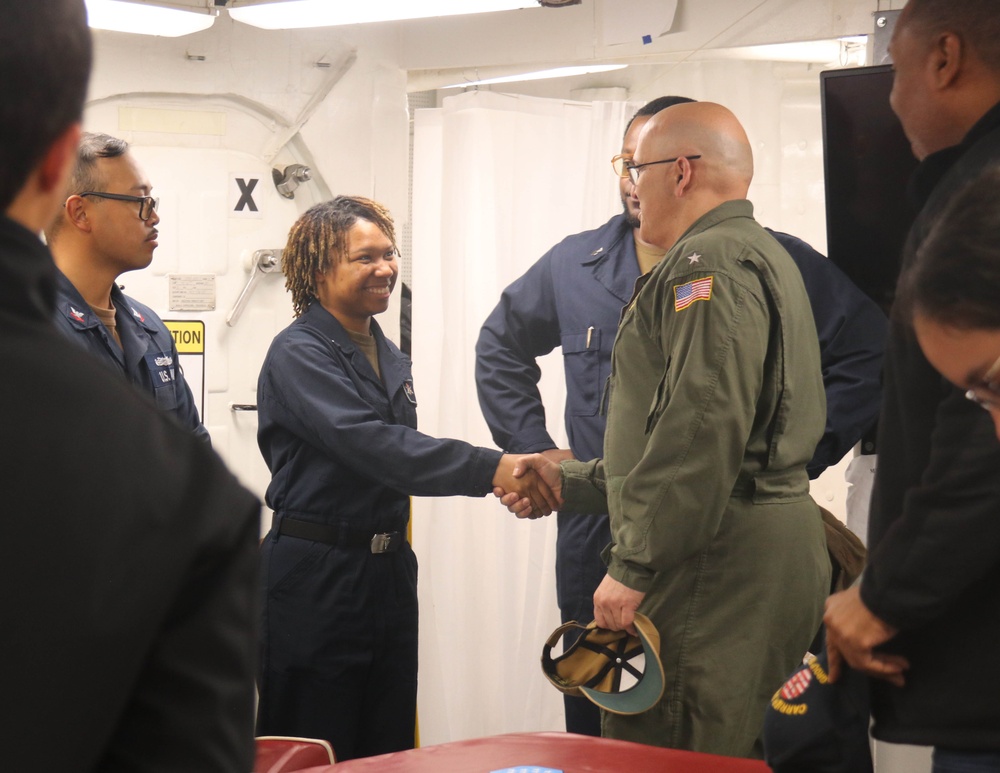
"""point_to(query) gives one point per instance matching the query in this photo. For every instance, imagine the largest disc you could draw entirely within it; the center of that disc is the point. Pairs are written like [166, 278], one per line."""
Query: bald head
[675, 195]
[709, 130]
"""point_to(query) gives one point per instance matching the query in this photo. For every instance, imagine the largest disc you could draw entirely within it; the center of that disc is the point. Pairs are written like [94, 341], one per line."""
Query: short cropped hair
[85, 174]
[955, 277]
[654, 106]
[318, 241]
[92, 147]
[976, 22]
[45, 60]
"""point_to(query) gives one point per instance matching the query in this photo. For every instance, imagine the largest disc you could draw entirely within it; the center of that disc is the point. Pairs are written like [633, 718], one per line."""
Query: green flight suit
[715, 405]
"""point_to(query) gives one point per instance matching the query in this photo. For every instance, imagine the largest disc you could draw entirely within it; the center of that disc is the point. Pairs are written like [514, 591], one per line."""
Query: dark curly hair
[318, 241]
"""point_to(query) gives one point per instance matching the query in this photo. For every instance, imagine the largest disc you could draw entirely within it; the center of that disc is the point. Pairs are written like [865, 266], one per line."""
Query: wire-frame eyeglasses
[633, 169]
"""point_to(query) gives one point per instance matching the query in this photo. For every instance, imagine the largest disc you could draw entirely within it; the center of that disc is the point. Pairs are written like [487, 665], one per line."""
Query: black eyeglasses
[147, 204]
[633, 169]
[986, 385]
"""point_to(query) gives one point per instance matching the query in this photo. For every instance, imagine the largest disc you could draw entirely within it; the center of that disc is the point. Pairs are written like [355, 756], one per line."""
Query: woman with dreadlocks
[337, 428]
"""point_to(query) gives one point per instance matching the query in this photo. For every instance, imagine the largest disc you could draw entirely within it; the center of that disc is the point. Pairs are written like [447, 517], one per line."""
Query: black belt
[387, 542]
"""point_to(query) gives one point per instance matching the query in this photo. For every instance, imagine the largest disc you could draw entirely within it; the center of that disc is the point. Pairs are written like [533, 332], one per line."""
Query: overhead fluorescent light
[121, 16]
[557, 72]
[840, 51]
[297, 14]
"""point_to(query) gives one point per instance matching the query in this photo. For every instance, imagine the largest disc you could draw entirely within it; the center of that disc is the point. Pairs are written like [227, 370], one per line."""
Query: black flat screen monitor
[867, 164]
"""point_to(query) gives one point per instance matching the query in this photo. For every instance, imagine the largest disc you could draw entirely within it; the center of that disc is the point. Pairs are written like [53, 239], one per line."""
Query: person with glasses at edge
[928, 597]
[572, 297]
[108, 227]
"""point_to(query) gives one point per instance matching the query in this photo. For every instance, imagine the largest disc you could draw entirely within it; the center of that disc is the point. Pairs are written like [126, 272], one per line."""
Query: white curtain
[497, 180]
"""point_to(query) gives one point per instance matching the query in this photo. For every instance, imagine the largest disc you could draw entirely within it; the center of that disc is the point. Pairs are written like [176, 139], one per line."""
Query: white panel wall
[348, 122]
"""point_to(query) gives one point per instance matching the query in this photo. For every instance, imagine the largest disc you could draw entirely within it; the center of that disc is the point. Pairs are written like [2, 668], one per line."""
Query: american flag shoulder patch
[698, 290]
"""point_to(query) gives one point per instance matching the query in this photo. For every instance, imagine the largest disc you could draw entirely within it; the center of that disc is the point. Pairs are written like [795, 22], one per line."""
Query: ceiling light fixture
[119, 16]
[557, 72]
[297, 14]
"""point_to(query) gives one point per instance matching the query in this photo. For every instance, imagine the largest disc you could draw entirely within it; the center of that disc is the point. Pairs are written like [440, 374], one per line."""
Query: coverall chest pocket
[163, 377]
[582, 358]
[661, 396]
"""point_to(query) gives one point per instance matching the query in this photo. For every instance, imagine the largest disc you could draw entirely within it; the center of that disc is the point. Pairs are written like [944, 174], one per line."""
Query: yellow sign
[189, 336]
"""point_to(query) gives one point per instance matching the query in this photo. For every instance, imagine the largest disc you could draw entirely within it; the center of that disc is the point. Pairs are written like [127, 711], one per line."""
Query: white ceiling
[446, 50]
[205, 3]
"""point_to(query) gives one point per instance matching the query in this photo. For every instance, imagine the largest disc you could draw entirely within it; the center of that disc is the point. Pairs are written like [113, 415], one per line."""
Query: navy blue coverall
[573, 297]
[147, 357]
[339, 635]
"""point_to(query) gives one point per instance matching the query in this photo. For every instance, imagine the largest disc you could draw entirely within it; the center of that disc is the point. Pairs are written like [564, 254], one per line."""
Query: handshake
[530, 485]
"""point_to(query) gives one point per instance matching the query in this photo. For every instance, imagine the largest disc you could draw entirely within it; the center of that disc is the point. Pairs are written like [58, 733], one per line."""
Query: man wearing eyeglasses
[572, 297]
[715, 406]
[108, 227]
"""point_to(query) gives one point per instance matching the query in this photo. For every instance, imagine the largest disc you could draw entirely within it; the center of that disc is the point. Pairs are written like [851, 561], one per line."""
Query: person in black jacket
[930, 591]
[127, 634]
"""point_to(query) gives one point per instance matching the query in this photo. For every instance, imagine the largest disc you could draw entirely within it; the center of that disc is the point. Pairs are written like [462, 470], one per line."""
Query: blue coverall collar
[72, 305]
[82, 317]
[613, 260]
[391, 360]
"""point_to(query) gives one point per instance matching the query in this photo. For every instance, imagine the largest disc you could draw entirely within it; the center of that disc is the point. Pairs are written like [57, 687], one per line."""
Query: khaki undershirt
[366, 343]
[107, 317]
[648, 256]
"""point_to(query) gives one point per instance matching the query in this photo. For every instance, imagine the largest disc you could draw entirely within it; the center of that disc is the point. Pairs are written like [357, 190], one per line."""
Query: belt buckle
[381, 542]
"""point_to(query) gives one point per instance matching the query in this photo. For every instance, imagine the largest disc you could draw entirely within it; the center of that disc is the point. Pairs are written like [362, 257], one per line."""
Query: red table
[562, 751]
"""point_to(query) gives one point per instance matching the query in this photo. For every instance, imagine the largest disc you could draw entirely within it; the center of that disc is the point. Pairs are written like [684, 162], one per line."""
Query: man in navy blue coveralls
[108, 227]
[572, 297]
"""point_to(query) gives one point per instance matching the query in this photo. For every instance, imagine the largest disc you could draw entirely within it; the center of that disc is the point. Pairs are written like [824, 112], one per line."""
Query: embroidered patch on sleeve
[698, 290]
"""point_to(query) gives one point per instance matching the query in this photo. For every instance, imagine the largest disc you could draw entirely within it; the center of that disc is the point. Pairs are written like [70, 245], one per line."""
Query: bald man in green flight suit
[715, 405]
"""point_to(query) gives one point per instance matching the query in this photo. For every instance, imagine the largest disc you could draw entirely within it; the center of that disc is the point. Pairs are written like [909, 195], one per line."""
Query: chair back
[283, 754]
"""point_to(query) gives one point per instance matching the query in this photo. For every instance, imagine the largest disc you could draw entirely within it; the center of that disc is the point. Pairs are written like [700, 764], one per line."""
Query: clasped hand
[530, 485]
[852, 634]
